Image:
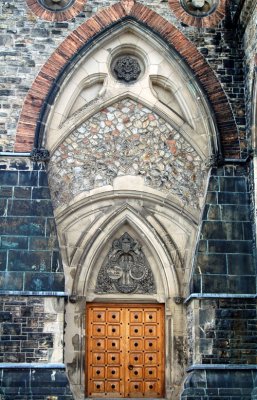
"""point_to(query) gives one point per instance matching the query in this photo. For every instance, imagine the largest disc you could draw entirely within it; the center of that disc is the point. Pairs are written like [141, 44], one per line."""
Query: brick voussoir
[70, 44]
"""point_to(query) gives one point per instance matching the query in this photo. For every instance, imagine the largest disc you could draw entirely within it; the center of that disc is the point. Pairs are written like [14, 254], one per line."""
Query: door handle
[130, 367]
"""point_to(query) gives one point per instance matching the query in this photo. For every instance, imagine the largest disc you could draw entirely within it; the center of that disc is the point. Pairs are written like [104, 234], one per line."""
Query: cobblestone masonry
[27, 42]
[126, 139]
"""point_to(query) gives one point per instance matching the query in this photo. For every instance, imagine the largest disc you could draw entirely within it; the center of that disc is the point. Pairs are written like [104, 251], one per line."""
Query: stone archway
[45, 87]
[129, 156]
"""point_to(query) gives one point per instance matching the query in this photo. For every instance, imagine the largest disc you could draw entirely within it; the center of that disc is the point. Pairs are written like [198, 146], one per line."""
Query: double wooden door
[125, 350]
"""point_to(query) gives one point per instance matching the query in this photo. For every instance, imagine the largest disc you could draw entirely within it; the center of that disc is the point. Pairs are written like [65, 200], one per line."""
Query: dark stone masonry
[29, 254]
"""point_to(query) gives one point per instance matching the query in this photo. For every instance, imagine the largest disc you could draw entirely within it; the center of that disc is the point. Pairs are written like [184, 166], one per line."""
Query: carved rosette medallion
[56, 5]
[127, 69]
[200, 8]
[125, 269]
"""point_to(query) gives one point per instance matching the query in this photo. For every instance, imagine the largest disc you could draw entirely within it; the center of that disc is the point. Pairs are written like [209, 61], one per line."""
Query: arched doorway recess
[130, 134]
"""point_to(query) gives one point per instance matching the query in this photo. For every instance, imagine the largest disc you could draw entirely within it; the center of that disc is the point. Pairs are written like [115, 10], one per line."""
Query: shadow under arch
[40, 97]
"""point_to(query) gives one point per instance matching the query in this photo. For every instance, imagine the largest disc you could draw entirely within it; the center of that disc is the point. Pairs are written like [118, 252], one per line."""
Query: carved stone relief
[127, 69]
[200, 8]
[56, 5]
[125, 269]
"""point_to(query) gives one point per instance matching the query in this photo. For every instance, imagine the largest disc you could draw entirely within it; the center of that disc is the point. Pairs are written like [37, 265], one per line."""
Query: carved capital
[178, 299]
[39, 155]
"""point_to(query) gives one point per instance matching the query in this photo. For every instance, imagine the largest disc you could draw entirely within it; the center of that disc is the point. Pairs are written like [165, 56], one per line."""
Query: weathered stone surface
[35, 383]
[126, 139]
[226, 330]
[28, 238]
[226, 246]
[26, 334]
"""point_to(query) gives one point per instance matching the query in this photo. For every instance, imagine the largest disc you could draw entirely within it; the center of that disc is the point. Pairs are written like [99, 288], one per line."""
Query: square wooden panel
[113, 372]
[135, 316]
[99, 316]
[113, 344]
[136, 358]
[98, 344]
[150, 330]
[136, 330]
[98, 330]
[113, 330]
[150, 358]
[98, 358]
[113, 358]
[114, 316]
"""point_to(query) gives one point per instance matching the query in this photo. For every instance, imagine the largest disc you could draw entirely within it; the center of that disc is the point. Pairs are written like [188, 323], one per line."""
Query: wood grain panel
[125, 350]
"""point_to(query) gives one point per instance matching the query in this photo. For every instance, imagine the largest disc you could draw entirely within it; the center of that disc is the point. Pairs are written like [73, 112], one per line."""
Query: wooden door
[125, 350]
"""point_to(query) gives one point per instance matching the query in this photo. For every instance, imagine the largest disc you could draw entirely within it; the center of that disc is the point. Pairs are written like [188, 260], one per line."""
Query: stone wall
[31, 276]
[34, 383]
[31, 329]
[220, 384]
[224, 260]
[29, 247]
[223, 331]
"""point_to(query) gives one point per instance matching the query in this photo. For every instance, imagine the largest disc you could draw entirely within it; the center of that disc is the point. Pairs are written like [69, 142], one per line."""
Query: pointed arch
[43, 91]
[104, 232]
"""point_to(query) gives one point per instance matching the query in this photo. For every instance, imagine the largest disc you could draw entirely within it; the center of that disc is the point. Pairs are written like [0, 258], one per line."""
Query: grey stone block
[233, 184]
[235, 213]
[230, 246]
[29, 261]
[211, 264]
[222, 230]
[240, 264]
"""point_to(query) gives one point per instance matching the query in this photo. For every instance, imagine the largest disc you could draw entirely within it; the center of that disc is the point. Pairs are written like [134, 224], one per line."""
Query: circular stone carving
[199, 13]
[127, 68]
[199, 8]
[56, 10]
[56, 5]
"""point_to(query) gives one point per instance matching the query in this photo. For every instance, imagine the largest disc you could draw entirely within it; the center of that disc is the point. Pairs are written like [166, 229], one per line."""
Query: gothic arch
[102, 233]
[43, 91]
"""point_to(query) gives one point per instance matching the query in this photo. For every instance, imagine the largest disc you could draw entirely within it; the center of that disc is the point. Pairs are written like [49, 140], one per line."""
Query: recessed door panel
[125, 351]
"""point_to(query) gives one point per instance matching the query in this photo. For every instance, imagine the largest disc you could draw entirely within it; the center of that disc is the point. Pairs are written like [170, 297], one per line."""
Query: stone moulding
[78, 41]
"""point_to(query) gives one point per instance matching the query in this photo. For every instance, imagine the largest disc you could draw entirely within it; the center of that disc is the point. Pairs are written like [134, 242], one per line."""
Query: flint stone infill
[126, 139]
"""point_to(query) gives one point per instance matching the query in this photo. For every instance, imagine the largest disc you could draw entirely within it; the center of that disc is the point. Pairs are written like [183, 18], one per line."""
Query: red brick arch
[37, 96]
